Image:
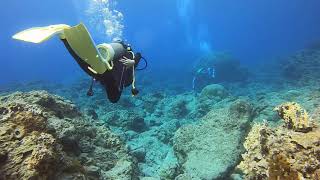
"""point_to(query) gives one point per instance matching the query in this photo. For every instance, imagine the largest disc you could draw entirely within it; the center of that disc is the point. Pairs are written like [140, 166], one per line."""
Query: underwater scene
[160, 90]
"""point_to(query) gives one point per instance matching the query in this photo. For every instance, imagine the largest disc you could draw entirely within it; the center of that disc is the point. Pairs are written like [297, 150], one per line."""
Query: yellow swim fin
[40, 34]
[82, 44]
[77, 38]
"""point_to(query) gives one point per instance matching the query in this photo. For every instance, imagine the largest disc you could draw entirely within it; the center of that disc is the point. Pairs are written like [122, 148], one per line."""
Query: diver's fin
[40, 34]
[81, 43]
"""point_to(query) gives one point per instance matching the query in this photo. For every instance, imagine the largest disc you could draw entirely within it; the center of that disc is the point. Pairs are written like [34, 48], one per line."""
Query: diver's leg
[111, 86]
[113, 94]
[84, 66]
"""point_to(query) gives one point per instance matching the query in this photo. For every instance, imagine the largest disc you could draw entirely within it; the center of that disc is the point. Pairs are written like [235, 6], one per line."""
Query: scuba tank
[119, 76]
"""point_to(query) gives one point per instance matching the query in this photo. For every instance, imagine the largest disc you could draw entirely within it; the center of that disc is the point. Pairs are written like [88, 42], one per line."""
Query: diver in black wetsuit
[124, 63]
[113, 64]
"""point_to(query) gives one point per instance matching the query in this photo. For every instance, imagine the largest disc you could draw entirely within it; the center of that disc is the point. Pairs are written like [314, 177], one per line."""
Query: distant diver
[202, 73]
[113, 64]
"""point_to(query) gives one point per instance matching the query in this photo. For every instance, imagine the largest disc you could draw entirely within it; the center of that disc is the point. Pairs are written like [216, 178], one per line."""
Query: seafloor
[263, 125]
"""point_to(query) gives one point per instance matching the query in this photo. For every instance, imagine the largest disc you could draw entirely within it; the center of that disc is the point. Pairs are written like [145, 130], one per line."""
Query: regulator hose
[145, 64]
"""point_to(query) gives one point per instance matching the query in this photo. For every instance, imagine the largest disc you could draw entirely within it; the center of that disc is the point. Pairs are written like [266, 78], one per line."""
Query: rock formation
[44, 136]
[212, 148]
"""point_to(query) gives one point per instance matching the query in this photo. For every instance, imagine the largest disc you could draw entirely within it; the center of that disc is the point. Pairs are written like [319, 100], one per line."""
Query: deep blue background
[253, 31]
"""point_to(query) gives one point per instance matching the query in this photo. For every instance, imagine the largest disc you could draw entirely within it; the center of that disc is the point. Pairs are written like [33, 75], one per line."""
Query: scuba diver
[202, 77]
[113, 64]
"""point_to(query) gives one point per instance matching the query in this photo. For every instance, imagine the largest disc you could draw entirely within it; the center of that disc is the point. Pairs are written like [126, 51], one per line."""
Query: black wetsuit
[115, 80]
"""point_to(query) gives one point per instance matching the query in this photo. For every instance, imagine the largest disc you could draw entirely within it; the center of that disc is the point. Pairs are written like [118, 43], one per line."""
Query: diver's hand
[127, 62]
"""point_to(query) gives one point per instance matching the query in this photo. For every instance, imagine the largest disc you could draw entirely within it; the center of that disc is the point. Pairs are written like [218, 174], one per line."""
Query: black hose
[145, 66]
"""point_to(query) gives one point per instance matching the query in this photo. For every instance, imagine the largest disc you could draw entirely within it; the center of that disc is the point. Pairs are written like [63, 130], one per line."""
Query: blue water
[170, 33]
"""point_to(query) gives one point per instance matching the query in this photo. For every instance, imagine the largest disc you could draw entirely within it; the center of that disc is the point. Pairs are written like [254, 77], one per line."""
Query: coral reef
[147, 124]
[174, 107]
[153, 143]
[211, 95]
[294, 117]
[44, 136]
[126, 119]
[27, 151]
[282, 152]
[151, 100]
[256, 147]
[214, 91]
[169, 136]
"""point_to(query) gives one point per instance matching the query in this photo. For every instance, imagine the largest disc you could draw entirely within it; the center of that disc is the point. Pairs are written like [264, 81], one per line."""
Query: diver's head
[124, 44]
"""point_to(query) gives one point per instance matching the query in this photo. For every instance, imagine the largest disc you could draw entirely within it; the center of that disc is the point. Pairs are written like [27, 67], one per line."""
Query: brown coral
[27, 151]
[280, 168]
[43, 136]
[256, 142]
[37, 158]
[295, 117]
[282, 152]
